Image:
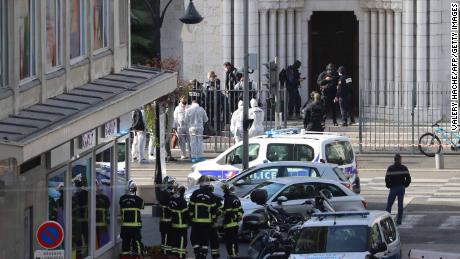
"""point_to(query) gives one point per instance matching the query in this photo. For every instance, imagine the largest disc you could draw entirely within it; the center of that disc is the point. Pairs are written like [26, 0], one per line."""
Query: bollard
[439, 160]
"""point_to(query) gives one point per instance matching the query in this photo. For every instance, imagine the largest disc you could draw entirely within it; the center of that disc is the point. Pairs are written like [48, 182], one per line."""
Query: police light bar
[340, 214]
[288, 131]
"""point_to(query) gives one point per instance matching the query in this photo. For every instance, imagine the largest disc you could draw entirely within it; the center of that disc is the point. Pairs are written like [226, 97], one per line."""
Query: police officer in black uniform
[203, 208]
[314, 115]
[233, 213]
[327, 82]
[180, 218]
[131, 225]
[343, 94]
[164, 197]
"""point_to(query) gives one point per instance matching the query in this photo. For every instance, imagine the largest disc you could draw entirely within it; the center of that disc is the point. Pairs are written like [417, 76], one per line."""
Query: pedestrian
[164, 197]
[203, 208]
[179, 223]
[343, 94]
[131, 225]
[231, 79]
[214, 100]
[138, 129]
[239, 88]
[168, 109]
[314, 115]
[195, 118]
[327, 82]
[236, 124]
[397, 179]
[257, 115]
[293, 81]
[233, 213]
[180, 127]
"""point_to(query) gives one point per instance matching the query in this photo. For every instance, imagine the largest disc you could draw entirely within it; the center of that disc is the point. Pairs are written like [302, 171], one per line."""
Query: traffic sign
[50, 235]
[49, 254]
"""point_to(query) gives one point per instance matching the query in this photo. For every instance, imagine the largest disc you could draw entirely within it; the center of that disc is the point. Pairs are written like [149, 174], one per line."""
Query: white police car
[310, 146]
[366, 234]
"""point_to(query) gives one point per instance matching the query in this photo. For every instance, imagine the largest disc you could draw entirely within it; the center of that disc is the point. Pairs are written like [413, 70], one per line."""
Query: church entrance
[334, 38]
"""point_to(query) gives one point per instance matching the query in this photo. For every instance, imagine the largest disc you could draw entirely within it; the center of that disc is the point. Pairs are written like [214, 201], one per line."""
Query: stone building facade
[394, 48]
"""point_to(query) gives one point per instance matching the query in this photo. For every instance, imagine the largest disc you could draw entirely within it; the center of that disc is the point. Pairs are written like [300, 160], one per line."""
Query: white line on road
[451, 222]
[440, 200]
[409, 221]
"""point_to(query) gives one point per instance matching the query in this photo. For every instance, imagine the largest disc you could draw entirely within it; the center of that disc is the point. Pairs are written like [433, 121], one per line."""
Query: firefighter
[203, 207]
[233, 213]
[131, 225]
[102, 214]
[179, 223]
[165, 195]
[214, 238]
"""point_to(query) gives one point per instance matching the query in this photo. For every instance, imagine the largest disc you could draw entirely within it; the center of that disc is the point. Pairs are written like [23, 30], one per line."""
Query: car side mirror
[325, 193]
[281, 199]
[382, 247]
[239, 182]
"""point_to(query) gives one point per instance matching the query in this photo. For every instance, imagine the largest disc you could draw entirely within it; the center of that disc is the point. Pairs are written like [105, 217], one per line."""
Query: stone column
[397, 51]
[390, 57]
[263, 43]
[408, 52]
[238, 33]
[374, 53]
[435, 56]
[282, 38]
[422, 52]
[227, 30]
[298, 36]
[367, 58]
[290, 36]
[272, 35]
[381, 57]
[254, 33]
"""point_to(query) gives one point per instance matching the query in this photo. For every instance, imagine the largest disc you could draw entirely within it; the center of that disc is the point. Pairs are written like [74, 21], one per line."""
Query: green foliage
[145, 31]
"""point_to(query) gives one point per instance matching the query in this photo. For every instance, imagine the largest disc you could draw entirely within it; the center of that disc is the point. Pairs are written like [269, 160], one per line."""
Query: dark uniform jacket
[164, 198]
[397, 175]
[102, 210]
[328, 87]
[232, 211]
[314, 117]
[203, 206]
[180, 217]
[344, 87]
[131, 206]
[230, 79]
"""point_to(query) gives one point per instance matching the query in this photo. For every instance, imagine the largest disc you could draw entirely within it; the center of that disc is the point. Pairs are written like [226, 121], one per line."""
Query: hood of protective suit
[240, 104]
[254, 103]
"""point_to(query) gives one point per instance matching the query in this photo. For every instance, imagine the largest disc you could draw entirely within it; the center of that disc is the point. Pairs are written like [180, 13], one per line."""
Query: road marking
[439, 200]
[409, 221]
[451, 222]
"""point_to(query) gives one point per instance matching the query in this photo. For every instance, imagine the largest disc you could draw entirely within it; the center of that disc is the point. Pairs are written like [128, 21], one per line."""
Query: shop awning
[44, 126]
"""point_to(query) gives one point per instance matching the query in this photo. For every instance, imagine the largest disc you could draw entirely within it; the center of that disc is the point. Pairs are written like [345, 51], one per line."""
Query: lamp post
[246, 87]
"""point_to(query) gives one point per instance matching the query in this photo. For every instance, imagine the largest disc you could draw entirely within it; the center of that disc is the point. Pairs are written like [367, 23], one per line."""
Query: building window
[56, 198]
[101, 24]
[53, 34]
[77, 28]
[27, 39]
[123, 19]
[104, 172]
[3, 33]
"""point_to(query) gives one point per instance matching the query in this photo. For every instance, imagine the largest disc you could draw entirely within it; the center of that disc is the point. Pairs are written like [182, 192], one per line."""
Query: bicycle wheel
[429, 144]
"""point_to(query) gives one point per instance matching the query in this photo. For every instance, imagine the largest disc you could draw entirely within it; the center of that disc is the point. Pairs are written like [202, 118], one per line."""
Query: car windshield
[332, 239]
[339, 152]
[271, 188]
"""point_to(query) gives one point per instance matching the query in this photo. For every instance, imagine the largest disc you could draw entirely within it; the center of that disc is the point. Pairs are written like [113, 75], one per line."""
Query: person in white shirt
[195, 118]
[257, 115]
[181, 128]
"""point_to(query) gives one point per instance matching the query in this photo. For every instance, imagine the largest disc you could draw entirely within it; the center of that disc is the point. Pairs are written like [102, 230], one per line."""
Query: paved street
[432, 202]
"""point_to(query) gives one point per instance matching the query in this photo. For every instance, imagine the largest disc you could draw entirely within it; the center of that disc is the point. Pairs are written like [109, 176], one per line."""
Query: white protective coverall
[236, 123]
[181, 128]
[257, 115]
[195, 117]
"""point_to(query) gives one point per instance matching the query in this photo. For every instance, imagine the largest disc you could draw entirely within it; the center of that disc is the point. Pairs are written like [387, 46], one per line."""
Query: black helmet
[330, 67]
[169, 182]
[227, 188]
[297, 64]
[342, 70]
[204, 181]
[181, 190]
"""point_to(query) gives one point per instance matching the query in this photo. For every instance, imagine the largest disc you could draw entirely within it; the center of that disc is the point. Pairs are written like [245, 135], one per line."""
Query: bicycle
[430, 144]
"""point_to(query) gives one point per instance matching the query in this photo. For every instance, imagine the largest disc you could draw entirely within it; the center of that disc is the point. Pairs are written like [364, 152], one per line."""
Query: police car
[348, 235]
[286, 145]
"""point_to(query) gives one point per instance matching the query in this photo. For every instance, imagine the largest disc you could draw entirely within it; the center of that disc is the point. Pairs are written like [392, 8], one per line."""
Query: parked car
[250, 178]
[309, 147]
[368, 234]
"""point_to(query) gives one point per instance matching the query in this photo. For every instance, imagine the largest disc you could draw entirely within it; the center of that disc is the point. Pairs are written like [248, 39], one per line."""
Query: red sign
[50, 235]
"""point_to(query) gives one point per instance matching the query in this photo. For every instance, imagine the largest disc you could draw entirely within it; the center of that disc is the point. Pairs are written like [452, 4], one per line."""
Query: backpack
[138, 122]
[291, 77]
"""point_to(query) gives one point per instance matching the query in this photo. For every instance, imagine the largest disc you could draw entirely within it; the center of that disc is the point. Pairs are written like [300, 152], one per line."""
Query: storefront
[74, 169]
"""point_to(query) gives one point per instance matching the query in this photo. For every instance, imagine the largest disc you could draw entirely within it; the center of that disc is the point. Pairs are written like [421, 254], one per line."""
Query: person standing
[214, 100]
[343, 94]
[131, 225]
[203, 208]
[179, 223]
[138, 129]
[293, 81]
[169, 120]
[181, 128]
[195, 117]
[233, 213]
[257, 115]
[231, 79]
[314, 115]
[165, 196]
[236, 123]
[327, 82]
[397, 179]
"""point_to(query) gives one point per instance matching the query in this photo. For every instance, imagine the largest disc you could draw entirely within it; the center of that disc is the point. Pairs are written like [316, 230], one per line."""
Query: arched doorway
[334, 38]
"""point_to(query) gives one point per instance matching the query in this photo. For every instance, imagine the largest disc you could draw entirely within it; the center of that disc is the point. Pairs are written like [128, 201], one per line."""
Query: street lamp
[191, 17]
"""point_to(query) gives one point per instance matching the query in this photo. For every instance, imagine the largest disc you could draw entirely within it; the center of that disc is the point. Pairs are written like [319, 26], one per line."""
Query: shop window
[53, 33]
[101, 24]
[27, 39]
[81, 180]
[56, 198]
[104, 172]
[77, 28]
[120, 180]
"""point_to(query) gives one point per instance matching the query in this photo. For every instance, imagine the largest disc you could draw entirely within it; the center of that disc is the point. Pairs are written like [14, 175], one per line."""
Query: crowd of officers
[200, 213]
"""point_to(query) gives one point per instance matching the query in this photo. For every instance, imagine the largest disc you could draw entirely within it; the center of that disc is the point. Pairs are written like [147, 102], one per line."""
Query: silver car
[290, 193]
[250, 178]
